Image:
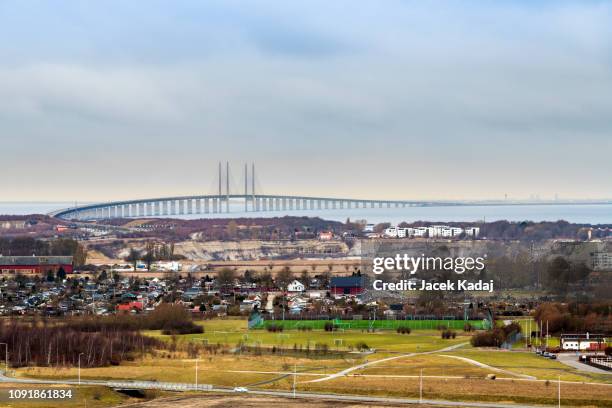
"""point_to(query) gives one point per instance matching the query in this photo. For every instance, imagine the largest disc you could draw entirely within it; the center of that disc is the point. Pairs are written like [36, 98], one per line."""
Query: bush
[275, 328]
[448, 334]
[495, 337]
[403, 330]
[468, 327]
[172, 319]
[490, 338]
[329, 326]
[361, 345]
[321, 348]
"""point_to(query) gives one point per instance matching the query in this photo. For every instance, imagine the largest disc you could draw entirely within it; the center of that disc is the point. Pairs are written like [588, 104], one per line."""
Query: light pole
[294, 375]
[81, 354]
[196, 373]
[5, 358]
[559, 391]
[421, 387]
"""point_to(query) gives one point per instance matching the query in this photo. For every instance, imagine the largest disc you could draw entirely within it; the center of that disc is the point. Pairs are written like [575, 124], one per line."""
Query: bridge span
[249, 201]
[218, 204]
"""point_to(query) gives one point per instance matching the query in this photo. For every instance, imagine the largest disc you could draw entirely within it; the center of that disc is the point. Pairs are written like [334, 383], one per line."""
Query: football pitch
[373, 324]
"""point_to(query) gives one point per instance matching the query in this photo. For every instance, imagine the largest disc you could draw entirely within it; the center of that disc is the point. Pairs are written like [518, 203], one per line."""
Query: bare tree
[284, 277]
[133, 257]
[226, 277]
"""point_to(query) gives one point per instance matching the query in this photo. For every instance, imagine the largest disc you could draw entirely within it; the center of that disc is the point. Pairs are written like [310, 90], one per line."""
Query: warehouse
[33, 265]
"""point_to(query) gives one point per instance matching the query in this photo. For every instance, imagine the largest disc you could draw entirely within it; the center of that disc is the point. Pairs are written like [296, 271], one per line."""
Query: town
[269, 294]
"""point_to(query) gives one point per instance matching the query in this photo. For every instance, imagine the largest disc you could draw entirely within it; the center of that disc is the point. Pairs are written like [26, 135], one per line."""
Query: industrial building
[32, 265]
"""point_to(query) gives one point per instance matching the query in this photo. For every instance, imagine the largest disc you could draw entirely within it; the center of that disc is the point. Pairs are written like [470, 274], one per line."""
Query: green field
[404, 358]
[233, 331]
[374, 324]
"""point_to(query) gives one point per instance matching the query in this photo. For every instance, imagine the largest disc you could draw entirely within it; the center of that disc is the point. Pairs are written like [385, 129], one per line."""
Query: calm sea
[588, 214]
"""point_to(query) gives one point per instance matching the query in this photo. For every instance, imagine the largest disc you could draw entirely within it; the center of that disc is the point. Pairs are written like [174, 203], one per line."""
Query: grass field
[531, 364]
[375, 324]
[444, 377]
[472, 389]
[228, 369]
[95, 397]
[232, 332]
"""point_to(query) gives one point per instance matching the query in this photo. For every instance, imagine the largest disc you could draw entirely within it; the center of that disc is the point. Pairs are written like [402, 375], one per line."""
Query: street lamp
[294, 378]
[81, 354]
[196, 374]
[5, 358]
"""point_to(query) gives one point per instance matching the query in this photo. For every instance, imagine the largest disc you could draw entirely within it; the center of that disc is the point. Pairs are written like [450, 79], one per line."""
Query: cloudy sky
[395, 99]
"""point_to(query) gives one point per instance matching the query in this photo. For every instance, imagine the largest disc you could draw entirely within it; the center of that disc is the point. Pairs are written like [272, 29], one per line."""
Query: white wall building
[434, 231]
[368, 228]
[391, 232]
[295, 286]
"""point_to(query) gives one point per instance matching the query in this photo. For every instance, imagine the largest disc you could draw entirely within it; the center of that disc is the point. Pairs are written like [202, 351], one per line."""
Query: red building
[131, 306]
[347, 285]
[34, 265]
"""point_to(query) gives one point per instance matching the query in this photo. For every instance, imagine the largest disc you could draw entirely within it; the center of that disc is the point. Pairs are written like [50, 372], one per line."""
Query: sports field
[232, 332]
[374, 324]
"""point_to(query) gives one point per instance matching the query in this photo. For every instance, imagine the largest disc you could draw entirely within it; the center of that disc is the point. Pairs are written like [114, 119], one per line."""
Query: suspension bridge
[248, 201]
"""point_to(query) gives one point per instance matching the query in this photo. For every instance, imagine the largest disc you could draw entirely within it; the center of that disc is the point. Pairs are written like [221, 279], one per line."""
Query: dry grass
[87, 396]
[513, 391]
[212, 369]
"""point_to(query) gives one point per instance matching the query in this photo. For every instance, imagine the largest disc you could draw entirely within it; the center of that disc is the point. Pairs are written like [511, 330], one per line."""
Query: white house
[295, 286]
[472, 231]
[583, 342]
[368, 228]
[391, 232]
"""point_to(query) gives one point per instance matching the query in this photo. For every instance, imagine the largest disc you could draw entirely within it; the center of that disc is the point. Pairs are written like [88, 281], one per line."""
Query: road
[572, 361]
[285, 394]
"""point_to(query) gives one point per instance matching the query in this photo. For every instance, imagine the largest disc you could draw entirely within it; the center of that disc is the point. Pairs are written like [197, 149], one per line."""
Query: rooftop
[35, 260]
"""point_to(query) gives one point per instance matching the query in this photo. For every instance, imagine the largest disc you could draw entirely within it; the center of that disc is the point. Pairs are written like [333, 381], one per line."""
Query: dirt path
[483, 365]
[382, 360]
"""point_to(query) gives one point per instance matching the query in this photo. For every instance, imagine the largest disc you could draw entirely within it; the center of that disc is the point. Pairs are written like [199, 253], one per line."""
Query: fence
[374, 324]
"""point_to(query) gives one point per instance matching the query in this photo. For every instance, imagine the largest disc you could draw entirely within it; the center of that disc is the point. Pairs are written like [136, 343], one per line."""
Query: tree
[133, 257]
[61, 274]
[378, 228]
[102, 276]
[326, 278]
[304, 277]
[266, 279]
[284, 277]
[149, 255]
[226, 277]
[560, 273]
